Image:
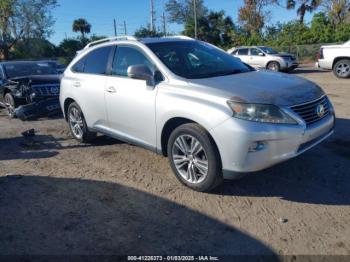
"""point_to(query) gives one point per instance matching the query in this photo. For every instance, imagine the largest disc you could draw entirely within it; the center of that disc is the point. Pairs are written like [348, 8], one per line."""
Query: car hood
[262, 87]
[38, 79]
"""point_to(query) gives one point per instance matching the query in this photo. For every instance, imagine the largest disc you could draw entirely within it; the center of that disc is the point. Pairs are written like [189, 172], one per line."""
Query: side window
[254, 51]
[127, 56]
[96, 61]
[243, 51]
[79, 66]
[235, 52]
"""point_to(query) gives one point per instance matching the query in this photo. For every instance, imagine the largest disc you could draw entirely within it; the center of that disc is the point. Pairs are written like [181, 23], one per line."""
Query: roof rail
[109, 39]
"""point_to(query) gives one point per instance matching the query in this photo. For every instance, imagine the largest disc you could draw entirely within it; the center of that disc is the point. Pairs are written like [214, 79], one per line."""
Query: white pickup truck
[336, 58]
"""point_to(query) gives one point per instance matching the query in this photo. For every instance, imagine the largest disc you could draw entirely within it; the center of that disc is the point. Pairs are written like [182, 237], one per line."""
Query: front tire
[274, 66]
[77, 124]
[194, 158]
[10, 105]
[342, 68]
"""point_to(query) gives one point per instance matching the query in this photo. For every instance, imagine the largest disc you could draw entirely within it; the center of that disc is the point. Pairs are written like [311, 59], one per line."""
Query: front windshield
[268, 50]
[18, 69]
[191, 59]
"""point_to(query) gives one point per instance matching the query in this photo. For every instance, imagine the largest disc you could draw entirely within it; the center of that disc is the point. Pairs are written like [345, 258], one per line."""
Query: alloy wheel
[190, 159]
[76, 123]
[273, 67]
[343, 69]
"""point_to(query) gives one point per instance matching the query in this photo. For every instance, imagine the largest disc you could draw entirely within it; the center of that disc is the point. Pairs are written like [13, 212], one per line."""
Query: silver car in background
[263, 57]
[213, 116]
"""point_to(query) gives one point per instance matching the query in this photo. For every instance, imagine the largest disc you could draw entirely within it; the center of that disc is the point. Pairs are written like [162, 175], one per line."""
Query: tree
[215, 28]
[24, 19]
[252, 15]
[143, 32]
[182, 11]
[303, 7]
[82, 26]
[337, 10]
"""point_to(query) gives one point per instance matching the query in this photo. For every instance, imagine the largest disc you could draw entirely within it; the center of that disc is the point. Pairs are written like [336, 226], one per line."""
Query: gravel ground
[61, 197]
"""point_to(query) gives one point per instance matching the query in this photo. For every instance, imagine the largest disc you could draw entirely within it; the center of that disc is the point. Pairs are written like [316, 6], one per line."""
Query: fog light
[256, 146]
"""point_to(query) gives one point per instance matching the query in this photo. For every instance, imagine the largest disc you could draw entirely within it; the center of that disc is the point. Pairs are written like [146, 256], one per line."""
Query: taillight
[320, 54]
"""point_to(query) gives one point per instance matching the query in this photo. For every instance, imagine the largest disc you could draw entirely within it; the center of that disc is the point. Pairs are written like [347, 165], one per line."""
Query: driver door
[130, 102]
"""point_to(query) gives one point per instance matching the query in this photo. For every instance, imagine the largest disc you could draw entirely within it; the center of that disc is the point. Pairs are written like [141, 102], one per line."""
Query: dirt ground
[61, 197]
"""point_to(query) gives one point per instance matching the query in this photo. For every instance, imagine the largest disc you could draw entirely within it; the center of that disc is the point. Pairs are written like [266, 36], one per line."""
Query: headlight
[260, 113]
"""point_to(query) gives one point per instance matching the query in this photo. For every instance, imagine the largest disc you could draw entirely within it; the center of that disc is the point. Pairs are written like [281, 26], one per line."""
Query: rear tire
[274, 66]
[10, 105]
[342, 68]
[77, 124]
[194, 158]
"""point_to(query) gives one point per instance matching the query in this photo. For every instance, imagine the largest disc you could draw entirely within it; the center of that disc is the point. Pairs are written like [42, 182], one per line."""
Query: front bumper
[235, 137]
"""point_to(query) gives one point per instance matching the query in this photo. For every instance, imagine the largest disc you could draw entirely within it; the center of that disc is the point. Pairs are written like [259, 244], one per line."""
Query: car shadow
[308, 70]
[319, 176]
[47, 215]
[44, 146]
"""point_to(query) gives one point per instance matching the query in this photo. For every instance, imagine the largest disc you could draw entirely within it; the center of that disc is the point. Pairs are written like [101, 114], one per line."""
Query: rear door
[243, 55]
[88, 84]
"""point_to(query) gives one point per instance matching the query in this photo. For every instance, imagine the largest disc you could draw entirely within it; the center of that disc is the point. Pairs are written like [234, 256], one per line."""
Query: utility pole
[125, 28]
[164, 24]
[65, 34]
[152, 15]
[195, 18]
[115, 27]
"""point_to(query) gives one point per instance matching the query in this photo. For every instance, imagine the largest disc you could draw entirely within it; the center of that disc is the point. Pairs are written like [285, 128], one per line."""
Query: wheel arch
[171, 125]
[272, 61]
[66, 104]
[337, 59]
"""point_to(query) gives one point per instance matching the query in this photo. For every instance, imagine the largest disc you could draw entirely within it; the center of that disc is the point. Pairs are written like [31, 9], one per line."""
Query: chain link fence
[304, 53]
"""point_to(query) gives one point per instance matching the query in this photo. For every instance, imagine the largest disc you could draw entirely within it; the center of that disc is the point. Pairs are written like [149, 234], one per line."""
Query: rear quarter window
[94, 62]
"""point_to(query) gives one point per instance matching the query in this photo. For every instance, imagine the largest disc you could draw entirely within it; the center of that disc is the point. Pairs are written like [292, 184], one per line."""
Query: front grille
[46, 89]
[308, 111]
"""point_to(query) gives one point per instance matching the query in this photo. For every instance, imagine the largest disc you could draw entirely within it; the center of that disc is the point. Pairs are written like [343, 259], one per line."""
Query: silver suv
[265, 58]
[212, 115]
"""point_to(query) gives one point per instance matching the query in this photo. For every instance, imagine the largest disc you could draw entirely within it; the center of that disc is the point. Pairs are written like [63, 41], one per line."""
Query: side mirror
[141, 72]
[261, 54]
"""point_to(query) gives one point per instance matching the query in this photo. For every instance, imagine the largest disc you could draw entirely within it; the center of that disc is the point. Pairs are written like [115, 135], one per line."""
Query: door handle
[76, 84]
[111, 89]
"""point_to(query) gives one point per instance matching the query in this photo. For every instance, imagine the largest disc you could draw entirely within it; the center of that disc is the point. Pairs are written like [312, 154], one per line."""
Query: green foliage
[182, 11]
[215, 28]
[34, 48]
[24, 19]
[143, 32]
[82, 26]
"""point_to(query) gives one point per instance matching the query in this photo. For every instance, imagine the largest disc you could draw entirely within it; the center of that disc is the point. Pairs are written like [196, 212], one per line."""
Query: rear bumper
[235, 138]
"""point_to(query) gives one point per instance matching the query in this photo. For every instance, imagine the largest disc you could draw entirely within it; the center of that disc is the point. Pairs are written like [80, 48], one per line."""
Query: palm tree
[82, 26]
[305, 6]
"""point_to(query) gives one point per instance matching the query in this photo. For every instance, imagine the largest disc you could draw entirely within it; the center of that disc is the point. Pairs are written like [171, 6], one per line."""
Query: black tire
[341, 69]
[274, 66]
[10, 105]
[214, 175]
[87, 136]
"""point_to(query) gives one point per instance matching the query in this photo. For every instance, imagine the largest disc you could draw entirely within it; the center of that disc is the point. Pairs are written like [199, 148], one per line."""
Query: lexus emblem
[320, 110]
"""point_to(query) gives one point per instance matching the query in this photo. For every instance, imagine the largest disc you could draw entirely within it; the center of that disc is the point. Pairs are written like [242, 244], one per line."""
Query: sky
[135, 13]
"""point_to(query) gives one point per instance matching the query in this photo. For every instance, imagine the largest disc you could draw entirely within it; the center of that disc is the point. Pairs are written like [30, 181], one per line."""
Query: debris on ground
[29, 133]
[48, 107]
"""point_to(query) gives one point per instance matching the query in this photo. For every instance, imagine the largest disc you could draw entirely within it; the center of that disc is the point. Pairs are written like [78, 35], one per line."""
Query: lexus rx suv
[263, 57]
[211, 115]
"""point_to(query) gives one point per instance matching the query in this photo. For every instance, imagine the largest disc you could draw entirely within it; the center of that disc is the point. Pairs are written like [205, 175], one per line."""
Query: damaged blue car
[29, 89]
